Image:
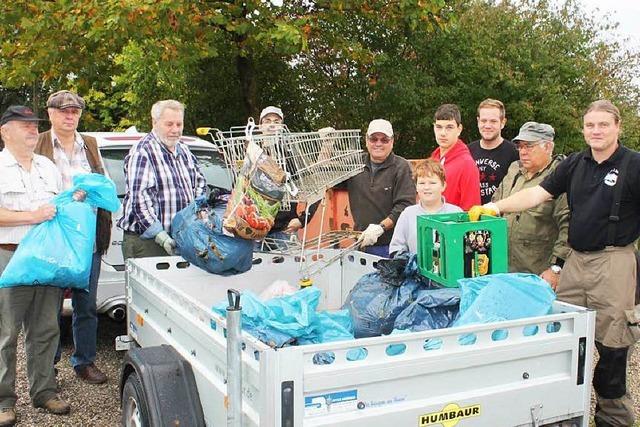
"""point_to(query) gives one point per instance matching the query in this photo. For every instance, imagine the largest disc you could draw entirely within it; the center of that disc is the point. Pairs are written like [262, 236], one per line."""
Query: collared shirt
[25, 190]
[537, 236]
[70, 167]
[159, 183]
[590, 189]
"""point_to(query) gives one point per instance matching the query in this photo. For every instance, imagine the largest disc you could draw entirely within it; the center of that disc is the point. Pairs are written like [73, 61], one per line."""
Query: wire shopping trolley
[313, 163]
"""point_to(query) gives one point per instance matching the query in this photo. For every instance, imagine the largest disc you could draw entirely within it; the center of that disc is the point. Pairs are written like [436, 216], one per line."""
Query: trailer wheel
[134, 405]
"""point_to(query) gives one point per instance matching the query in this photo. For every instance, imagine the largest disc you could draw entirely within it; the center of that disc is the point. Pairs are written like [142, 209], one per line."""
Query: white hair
[159, 107]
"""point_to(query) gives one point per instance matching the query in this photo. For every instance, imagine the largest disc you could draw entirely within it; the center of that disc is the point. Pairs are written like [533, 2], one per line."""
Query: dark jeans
[85, 320]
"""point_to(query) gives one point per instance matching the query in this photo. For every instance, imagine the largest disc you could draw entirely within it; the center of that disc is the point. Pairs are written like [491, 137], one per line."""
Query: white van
[114, 146]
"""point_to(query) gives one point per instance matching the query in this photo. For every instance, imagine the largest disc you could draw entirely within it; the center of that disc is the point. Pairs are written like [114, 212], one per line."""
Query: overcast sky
[625, 12]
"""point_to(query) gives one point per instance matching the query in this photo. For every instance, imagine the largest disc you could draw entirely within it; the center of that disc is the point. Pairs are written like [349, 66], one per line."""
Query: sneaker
[57, 406]
[91, 374]
[7, 417]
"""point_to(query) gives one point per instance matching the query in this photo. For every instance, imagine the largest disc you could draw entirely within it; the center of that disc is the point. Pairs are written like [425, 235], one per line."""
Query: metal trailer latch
[536, 414]
[234, 359]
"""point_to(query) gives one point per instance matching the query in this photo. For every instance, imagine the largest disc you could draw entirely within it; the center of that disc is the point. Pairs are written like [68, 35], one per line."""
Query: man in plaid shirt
[162, 177]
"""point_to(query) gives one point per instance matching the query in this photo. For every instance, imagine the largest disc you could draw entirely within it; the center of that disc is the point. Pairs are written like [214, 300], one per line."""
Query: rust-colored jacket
[103, 226]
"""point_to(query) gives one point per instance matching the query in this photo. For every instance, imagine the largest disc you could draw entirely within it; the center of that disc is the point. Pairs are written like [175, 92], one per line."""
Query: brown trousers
[605, 281]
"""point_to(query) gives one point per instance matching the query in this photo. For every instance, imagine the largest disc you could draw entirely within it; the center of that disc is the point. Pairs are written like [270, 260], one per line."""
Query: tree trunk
[246, 74]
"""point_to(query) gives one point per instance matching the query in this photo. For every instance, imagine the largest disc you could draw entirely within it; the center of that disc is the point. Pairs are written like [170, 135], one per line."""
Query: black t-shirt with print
[590, 187]
[493, 165]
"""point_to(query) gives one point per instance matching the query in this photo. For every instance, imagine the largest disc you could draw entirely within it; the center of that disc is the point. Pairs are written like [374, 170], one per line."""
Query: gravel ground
[91, 405]
[99, 405]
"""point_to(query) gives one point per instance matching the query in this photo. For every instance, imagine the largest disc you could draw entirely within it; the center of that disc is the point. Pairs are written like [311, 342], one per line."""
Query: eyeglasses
[381, 140]
[528, 146]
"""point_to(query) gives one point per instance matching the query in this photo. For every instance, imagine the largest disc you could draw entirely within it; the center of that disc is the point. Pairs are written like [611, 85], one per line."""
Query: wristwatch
[556, 269]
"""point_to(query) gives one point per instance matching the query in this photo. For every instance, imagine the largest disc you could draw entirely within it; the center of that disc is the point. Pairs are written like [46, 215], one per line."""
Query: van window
[211, 164]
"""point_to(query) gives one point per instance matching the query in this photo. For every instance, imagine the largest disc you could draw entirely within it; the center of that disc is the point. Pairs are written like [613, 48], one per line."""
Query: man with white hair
[162, 177]
[28, 183]
[380, 193]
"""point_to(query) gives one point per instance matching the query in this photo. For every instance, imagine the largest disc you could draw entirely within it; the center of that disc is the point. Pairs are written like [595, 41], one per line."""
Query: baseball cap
[19, 113]
[271, 110]
[65, 99]
[533, 131]
[380, 125]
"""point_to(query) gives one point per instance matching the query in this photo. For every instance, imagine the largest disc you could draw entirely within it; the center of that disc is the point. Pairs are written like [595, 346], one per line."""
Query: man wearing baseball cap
[537, 236]
[28, 182]
[74, 154]
[381, 191]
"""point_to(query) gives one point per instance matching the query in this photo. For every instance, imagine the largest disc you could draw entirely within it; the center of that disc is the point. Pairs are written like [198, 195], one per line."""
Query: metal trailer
[175, 372]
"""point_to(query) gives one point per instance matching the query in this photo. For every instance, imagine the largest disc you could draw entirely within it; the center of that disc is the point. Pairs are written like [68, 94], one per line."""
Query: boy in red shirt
[463, 178]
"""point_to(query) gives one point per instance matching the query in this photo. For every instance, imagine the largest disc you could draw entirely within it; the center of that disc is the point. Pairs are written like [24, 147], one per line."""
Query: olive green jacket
[538, 235]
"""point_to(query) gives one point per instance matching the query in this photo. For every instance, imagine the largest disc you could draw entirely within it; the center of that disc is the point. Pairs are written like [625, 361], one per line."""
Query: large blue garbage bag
[58, 252]
[200, 240]
[499, 297]
[291, 319]
[432, 309]
[506, 296]
[379, 297]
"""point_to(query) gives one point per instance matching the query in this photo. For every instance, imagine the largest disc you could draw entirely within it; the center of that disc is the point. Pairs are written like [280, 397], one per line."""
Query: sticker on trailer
[322, 404]
[450, 416]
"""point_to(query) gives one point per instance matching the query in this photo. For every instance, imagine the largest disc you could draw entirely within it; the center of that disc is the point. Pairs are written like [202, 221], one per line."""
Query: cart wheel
[134, 404]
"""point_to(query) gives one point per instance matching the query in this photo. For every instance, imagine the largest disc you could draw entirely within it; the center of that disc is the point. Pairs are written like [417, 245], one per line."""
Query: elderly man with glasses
[537, 236]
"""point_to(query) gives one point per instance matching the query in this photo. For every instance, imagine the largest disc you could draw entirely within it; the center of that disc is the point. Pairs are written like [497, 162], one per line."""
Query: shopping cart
[313, 162]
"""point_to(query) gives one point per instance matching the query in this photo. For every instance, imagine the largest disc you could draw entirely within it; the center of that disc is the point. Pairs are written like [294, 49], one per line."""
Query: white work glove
[370, 236]
[167, 243]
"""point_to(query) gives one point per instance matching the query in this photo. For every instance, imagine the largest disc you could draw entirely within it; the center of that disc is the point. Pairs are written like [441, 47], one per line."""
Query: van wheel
[134, 405]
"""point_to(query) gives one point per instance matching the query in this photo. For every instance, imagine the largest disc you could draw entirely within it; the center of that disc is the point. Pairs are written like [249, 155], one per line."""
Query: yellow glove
[488, 209]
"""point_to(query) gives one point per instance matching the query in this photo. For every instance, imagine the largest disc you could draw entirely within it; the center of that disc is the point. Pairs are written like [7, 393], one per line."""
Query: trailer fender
[168, 384]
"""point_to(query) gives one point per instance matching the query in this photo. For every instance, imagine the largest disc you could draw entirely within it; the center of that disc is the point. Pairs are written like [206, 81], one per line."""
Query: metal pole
[234, 359]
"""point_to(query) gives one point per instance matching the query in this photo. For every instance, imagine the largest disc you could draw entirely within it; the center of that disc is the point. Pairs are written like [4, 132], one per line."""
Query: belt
[9, 246]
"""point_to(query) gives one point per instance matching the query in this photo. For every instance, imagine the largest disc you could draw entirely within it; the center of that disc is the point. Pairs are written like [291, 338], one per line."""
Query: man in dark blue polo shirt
[601, 271]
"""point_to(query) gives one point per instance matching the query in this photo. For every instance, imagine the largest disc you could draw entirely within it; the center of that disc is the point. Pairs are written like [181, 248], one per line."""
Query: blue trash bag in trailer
[379, 297]
[58, 252]
[500, 297]
[291, 319]
[200, 240]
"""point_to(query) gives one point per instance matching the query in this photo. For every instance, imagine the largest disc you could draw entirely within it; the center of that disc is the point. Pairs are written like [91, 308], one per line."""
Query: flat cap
[65, 99]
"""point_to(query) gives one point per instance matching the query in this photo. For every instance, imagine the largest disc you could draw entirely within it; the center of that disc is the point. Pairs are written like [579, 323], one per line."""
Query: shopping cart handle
[203, 131]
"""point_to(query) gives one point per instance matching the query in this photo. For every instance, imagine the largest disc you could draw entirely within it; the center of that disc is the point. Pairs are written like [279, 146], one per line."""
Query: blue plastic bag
[506, 296]
[291, 319]
[199, 238]
[58, 252]
[432, 309]
[378, 298]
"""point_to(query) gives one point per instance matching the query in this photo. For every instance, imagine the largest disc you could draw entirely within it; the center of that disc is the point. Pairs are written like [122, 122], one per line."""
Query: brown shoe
[7, 417]
[57, 406]
[91, 374]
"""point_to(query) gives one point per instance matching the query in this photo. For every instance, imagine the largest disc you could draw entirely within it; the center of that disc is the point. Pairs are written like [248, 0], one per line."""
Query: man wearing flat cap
[379, 194]
[75, 154]
[28, 182]
[537, 236]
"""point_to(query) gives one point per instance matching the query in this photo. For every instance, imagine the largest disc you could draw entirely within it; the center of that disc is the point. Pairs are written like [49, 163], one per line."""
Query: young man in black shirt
[493, 154]
[600, 273]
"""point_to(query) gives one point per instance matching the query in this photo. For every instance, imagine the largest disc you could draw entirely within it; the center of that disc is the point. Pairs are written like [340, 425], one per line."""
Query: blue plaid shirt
[159, 183]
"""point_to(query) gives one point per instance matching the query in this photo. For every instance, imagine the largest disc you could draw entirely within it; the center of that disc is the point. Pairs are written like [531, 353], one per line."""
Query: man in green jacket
[537, 236]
